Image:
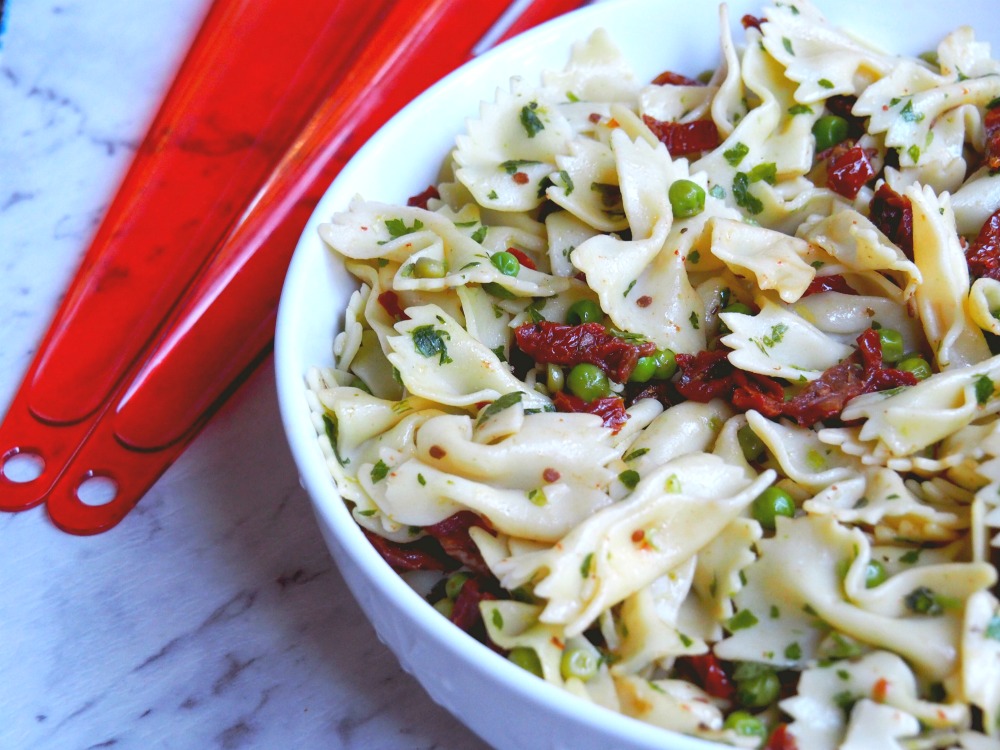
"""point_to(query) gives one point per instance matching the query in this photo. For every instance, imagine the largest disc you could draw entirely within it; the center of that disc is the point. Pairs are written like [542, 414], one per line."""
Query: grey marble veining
[212, 617]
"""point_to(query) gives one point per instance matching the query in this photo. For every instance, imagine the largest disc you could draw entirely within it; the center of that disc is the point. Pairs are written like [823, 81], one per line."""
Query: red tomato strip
[390, 303]
[780, 739]
[466, 612]
[453, 535]
[992, 126]
[893, 215]
[983, 255]
[682, 138]
[669, 78]
[420, 199]
[418, 555]
[610, 408]
[831, 283]
[547, 342]
[522, 258]
[848, 172]
[709, 674]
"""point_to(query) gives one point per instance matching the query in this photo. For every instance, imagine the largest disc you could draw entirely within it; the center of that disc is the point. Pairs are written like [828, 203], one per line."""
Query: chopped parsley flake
[693, 320]
[629, 288]
[567, 181]
[914, 152]
[909, 115]
[497, 619]
[744, 198]
[800, 109]
[537, 497]
[735, 154]
[630, 478]
[585, 565]
[768, 341]
[787, 44]
[825, 83]
[480, 234]
[793, 651]
[694, 256]
[717, 191]
[492, 195]
[512, 166]
[767, 172]
[910, 557]
[741, 621]
[672, 485]
[504, 402]
[398, 228]
[635, 454]
[530, 121]
[984, 388]
[421, 480]
[429, 341]
[379, 471]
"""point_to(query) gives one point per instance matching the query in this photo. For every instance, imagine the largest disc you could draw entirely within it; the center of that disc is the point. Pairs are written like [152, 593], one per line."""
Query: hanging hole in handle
[22, 466]
[96, 490]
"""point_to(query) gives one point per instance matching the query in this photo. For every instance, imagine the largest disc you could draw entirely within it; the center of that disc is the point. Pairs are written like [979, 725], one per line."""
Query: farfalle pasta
[686, 391]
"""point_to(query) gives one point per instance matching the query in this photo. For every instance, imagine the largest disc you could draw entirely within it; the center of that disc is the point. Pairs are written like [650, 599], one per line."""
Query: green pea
[555, 379]
[751, 445]
[666, 364]
[506, 263]
[429, 268]
[892, 344]
[770, 504]
[829, 131]
[745, 724]
[588, 382]
[917, 365]
[686, 198]
[526, 659]
[759, 690]
[645, 368]
[875, 574]
[453, 586]
[738, 307]
[578, 662]
[584, 311]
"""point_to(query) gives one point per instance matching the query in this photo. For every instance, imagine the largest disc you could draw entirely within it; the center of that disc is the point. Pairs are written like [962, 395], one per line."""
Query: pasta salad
[683, 394]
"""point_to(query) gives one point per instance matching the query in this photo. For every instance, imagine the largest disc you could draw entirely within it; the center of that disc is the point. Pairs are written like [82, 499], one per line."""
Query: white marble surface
[212, 616]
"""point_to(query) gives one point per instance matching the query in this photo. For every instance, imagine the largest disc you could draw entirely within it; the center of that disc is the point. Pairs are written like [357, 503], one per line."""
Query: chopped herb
[993, 103]
[566, 180]
[793, 651]
[914, 152]
[787, 44]
[570, 96]
[585, 565]
[421, 480]
[398, 228]
[845, 700]
[843, 674]
[497, 619]
[694, 256]
[693, 320]
[744, 198]
[910, 557]
[480, 234]
[629, 478]
[537, 497]
[470, 264]
[777, 334]
[923, 601]
[687, 642]
[993, 628]
[909, 115]
[513, 166]
[499, 351]
[775, 612]
[635, 454]
[383, 262]
[825, 83]
[330, 427]
[530, 121]
[800, 109]
[735, 154]
[429, 342]
[741, 621]
[629, 288]
[984, 388]
[379, 471]
[817, 264]
[672, 485]
[367, 513]
[767, 172]
[492, 195]
[504, 402]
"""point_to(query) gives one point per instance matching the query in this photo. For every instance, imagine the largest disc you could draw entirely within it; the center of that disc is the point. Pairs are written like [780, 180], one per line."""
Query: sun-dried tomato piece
[846, 173]
[749, 21]
[660, 390]
[759, 392]
[547, 342]
[669, 78]
[991, 124]
[420, 199]
[983, 255]
[780, 739]
[453, 535]
[704, 376]
[466, 613]
[522, 258]
[610, 408]
[892, 213]
[423, 554]
[390, 303]
[831, 283]
[709, 674]
[682, 138]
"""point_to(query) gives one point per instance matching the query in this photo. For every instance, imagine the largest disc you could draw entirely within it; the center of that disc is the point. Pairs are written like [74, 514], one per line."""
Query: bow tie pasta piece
[941, 296]
[721, 562]
[670, 515]
[974, 202]
[961, 57]
[779, 343]
[676, 705]
[587, 186]
[596, 72]
[439, 360]
[775, 260]
[845, 316]
[981, 655]
[511, 149]
[833, 704]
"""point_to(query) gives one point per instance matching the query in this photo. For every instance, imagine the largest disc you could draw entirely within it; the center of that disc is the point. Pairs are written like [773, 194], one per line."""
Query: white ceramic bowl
[503, 704]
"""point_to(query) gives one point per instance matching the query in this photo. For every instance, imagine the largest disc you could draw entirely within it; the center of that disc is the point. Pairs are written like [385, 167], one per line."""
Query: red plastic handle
[240, 97]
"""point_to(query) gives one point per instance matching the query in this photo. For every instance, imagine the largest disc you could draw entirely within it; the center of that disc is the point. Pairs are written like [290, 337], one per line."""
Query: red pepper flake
[880, 690]
[437, 451]
[551, 475]
[644, 301]
[846, 173]
[991, 124]
[780, 739]
[638, 535]
[522, 258]
[682, 138]
[749, 21]
[709, 674]
[555, 343]
[453, 535]
[420, 199]
[610, 408]
[830, 283]
[390, 303]
[983, 255]
[521, 178]
[594, 117]
[555, 641]
[418, 555]
[892, 214]
[669, 78]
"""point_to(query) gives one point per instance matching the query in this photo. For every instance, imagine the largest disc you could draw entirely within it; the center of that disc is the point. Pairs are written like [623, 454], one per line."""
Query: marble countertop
[212, 616]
